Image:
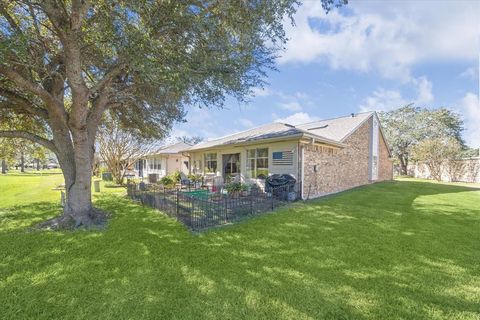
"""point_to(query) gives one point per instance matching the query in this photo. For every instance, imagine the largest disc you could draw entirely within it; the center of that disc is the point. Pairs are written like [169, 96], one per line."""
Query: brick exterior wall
[346, 168]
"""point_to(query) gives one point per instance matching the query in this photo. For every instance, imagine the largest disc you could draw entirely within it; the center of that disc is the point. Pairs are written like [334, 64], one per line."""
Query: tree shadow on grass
[337, 258]
[20, 217]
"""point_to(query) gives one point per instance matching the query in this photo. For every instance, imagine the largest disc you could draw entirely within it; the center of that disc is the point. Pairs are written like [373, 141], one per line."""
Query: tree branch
[109, 76]
[29, 136]
[79, 9]
[23, 103]
[25, 84]
[53, 106]
[70, 38]
[9, 18]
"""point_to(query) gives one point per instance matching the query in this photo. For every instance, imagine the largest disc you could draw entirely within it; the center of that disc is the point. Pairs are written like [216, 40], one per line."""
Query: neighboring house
[164, 161]
[324, 156]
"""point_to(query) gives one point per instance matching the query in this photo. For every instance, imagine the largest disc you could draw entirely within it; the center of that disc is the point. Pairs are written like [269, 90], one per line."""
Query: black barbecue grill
[280, 182]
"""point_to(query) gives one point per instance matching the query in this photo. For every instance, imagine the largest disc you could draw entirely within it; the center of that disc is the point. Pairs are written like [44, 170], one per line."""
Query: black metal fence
[199, 209]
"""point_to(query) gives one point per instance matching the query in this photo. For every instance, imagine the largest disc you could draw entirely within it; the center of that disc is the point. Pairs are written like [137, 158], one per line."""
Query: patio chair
[184, 181]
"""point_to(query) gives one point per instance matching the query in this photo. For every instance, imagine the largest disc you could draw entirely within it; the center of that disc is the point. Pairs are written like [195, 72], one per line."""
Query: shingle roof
[173, 148]
[268, 131]
[336, 129]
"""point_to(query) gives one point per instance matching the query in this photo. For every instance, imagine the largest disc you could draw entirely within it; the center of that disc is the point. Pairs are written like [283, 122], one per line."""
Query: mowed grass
[31, 186]
[393, 250]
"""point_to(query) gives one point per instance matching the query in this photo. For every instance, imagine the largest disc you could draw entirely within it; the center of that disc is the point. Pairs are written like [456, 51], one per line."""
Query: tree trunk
[403, 165]
[75, 160]
[4, 166]
[77, 171]
[38, 164]
[22, 161]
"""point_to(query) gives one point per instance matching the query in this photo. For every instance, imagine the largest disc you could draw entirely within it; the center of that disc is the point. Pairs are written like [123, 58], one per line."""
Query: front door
[231, 165]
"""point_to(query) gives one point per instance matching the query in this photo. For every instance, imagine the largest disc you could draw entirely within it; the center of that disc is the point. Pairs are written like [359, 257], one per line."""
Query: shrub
[195, 177]
[176, 177]
[168, 182]
[236, 187]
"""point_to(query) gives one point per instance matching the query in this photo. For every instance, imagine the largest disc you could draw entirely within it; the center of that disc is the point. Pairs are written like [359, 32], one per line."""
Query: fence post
[273, 195]
[154, 198]
[251, 204]
[192, 212]
[176, 203]
[225, 199]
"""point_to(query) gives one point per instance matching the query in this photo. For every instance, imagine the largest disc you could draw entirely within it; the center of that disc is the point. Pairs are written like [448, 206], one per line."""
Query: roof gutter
[317, 139]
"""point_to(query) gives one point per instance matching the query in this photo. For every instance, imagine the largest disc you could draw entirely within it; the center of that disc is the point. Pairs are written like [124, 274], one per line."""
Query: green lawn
[398, 250]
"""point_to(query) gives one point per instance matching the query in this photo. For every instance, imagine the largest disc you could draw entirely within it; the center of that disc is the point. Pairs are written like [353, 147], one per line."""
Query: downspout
[302, 171]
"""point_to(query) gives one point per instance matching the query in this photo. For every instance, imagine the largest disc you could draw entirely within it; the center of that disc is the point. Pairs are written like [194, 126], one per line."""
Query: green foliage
[411, 253]
[168, 182]
[176, 176]
[195, 177]
[170, 53]
[407, 126]
[234, 187]
[436, 153]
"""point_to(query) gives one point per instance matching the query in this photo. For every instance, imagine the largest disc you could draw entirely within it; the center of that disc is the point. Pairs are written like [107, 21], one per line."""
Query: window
[231, 164]
[257, 163]
[155, 164]
[210, 162]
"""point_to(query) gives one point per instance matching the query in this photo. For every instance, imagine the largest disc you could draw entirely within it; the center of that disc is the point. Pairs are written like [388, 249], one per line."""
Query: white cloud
[296, 118]
[291, 106]
[388, 39]
[424, 90]
[245, 122]
[471, 73]
[385, 100]
[470, 108]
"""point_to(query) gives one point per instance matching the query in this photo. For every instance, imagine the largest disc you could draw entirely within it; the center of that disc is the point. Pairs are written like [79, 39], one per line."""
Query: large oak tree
[64, 63]
[408, 126]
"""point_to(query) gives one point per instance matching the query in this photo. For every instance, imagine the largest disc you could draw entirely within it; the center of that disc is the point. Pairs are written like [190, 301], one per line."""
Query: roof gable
[337, 129]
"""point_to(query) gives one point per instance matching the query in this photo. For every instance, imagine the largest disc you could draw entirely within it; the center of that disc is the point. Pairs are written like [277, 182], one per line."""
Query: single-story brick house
[164, 161]
[325, 156]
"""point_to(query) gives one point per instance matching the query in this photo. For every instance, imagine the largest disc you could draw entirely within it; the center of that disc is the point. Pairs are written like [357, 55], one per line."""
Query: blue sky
[366, 56]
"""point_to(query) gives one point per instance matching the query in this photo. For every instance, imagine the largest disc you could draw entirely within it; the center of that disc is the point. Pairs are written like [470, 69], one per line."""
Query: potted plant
[245, 188]
[236, 188]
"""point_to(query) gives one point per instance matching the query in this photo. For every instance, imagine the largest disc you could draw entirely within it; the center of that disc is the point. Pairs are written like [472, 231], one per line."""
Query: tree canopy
[405, 127]
[190, 139]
